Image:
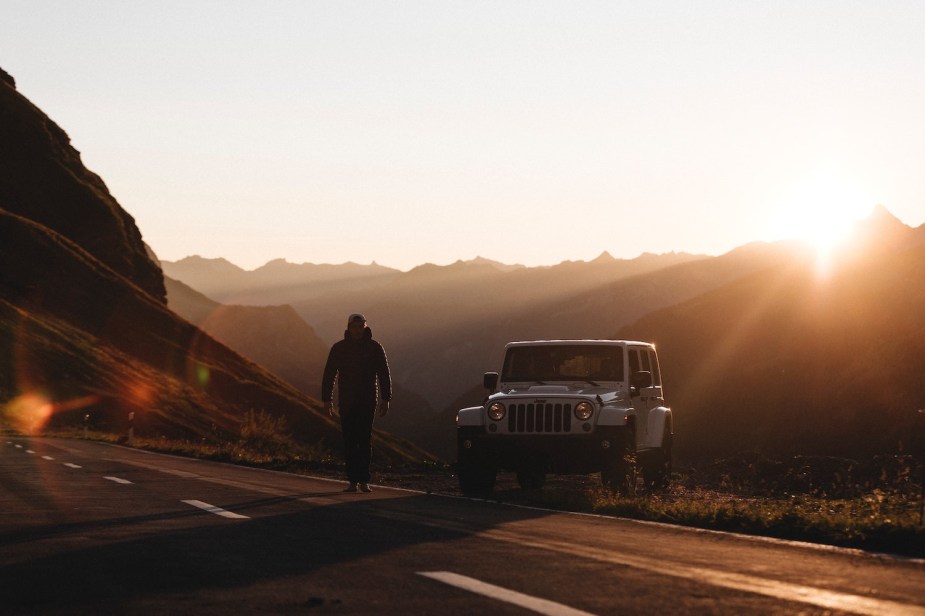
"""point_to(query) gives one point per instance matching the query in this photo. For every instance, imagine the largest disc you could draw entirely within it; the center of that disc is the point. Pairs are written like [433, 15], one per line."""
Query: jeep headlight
[583, 410]
[496, 411]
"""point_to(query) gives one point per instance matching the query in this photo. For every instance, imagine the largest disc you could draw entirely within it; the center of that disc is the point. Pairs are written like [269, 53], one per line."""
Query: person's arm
[385, 382]
[327, 382]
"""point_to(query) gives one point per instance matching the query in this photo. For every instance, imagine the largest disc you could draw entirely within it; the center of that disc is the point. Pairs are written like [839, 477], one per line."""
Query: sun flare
[823, 212]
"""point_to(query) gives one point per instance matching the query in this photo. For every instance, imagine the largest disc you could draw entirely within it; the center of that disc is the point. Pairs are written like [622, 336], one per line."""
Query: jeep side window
[634, 361]
[645, 361]
[656, 374]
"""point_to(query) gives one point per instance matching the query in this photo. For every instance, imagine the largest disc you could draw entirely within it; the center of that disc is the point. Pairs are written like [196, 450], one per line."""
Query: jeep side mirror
[490, 381]
[640, 379]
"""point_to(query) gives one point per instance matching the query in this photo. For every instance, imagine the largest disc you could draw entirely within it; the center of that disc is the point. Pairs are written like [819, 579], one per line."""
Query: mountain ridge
[43, 179]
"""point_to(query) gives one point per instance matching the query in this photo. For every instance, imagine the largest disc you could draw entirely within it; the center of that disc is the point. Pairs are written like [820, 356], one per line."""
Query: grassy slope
[76, 329]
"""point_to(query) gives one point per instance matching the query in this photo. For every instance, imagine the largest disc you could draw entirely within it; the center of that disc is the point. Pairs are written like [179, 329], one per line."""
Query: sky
[526, 132]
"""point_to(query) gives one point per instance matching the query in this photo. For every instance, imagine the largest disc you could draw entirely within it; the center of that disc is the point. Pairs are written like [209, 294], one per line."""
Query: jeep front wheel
[531, 478]
[619, 472]
[476, 478]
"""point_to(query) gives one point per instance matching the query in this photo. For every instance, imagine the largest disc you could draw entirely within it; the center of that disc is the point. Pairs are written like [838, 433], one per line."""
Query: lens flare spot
[28, 413]
[140, 394]
[202, 376]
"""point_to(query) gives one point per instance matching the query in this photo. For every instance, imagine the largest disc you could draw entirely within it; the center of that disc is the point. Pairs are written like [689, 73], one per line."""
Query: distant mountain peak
[604, 257]
[880, 231]
[504, 267]
[882, 217]
[200, 260]
[881, 223]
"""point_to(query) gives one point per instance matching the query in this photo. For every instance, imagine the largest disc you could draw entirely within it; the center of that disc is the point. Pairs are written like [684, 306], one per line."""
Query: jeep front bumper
[559, 453]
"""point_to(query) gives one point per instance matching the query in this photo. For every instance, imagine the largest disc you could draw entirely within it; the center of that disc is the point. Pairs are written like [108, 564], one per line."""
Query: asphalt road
[93, 528]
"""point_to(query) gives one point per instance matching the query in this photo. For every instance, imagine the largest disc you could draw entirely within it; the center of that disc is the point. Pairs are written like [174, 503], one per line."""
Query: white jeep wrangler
[569, 406]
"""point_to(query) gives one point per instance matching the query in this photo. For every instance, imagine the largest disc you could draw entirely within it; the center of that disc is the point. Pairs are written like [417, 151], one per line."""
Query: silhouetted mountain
[791, 361]
[880, 232]
[496, 264]
[277, 282]
[206, 275]
[275, 337]
[43, 179]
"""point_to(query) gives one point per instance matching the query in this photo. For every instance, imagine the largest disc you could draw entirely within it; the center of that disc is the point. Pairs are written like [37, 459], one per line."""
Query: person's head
[356, 325]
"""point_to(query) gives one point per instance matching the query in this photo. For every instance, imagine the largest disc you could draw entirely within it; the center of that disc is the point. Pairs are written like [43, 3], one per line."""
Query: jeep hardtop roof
[576, 342]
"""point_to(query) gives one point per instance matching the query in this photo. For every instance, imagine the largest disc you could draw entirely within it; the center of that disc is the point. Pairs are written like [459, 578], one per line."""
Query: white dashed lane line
[535, 604]
[215, 510]
[51, 459]
[195, 503]
[117, 479]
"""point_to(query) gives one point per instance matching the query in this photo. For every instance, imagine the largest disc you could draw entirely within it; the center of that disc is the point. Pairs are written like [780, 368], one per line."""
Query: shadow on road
[222, 554]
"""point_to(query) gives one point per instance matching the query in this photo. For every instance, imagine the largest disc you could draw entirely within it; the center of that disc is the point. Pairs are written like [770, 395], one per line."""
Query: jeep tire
[476, 477]
[619, 471]
[531, 478]
[657, 471]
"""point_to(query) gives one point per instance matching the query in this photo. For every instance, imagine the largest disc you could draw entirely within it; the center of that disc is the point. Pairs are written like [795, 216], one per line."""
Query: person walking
[359, 365]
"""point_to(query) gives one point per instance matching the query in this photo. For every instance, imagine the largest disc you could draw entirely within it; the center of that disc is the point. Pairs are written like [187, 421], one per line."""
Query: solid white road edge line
[215, 510]
[71, 465]
[541, 606]
[117, 479]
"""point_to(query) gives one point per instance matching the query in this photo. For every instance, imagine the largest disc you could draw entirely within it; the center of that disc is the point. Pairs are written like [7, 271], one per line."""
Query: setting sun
[822, 212]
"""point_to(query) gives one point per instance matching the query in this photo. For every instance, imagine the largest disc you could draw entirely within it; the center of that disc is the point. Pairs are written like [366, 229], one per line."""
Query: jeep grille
[534, 418]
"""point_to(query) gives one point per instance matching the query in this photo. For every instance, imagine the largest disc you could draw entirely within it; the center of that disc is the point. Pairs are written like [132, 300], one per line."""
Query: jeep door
[643, 359]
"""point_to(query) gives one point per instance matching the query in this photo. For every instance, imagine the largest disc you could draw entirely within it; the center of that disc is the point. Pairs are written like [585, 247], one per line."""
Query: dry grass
[877, 506]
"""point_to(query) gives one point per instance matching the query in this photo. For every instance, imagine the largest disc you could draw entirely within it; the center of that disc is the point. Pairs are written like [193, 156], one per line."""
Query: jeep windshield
[586, 363]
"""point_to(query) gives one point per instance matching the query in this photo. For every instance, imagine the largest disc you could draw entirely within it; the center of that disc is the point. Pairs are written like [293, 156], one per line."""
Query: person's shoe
[364, 487]
[351, 488]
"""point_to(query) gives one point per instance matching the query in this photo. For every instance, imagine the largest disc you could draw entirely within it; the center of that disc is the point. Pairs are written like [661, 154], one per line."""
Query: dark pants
[356, 422]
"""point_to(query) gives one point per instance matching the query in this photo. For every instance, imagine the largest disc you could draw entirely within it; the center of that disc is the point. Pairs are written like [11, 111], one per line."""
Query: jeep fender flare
[471, 416]
[659, 419]
[616, 416]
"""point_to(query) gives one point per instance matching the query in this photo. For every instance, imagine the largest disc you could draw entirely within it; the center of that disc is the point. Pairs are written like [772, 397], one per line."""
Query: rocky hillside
[83, 324]
[43, 179]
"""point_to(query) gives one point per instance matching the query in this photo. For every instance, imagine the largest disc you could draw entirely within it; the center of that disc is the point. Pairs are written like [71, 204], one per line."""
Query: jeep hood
[563, 390]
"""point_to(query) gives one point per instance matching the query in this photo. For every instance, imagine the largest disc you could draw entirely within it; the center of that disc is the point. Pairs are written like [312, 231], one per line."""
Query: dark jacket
[357, 365]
